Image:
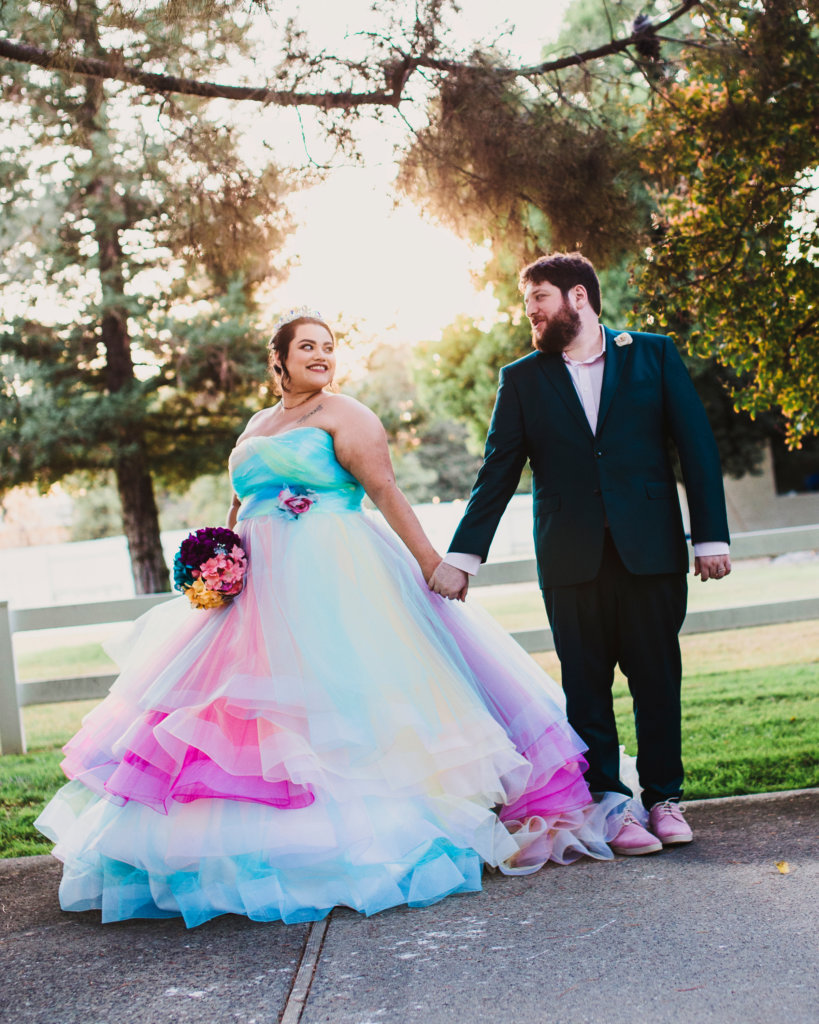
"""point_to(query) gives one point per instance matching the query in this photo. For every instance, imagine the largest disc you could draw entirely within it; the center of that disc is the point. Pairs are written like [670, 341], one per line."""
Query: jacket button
[598, 454]
[597, 491]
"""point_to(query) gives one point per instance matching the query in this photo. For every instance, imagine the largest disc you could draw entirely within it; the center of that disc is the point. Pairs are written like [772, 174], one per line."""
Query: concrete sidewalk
[710, 932]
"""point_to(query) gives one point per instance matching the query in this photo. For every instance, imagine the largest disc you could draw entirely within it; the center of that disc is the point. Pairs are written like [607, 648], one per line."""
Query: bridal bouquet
[210, 566]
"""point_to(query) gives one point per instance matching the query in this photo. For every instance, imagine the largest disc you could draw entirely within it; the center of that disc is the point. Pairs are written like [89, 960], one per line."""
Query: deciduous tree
[689, 161]
[731, 151]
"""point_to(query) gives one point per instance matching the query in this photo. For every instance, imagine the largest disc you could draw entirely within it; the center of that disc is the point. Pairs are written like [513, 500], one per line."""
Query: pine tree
[134, 236]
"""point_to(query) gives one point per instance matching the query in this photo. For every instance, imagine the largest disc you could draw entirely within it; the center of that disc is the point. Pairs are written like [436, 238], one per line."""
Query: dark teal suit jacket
[621, 474]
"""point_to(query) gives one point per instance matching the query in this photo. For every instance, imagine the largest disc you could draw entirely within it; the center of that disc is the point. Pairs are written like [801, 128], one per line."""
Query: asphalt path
[723, 930]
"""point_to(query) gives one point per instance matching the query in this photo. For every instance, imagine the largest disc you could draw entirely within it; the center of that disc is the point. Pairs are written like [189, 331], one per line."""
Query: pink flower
[296, 504]
[224, 573]
[213, 568]
[238, 556]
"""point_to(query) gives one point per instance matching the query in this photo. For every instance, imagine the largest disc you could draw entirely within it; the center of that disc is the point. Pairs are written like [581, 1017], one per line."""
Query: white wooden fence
[15, 695]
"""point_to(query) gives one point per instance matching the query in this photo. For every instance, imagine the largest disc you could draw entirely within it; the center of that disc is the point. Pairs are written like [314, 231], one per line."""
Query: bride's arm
[361, 448]
[233, 512]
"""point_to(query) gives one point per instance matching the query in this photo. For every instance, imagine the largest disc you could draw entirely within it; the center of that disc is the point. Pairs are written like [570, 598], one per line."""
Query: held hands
[712, 567]
[449, 582]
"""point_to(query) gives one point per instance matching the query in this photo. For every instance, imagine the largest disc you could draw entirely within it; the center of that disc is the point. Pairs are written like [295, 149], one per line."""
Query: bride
[338, 735]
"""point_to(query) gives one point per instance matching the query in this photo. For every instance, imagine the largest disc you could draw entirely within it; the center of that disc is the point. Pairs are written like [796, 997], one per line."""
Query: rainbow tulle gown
[336, 736]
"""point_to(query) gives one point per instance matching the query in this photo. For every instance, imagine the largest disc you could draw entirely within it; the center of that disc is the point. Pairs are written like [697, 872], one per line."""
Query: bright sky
[357, 257]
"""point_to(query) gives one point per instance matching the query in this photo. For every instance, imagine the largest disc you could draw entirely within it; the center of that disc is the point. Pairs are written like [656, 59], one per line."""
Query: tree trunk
[140, 518]
[141, 524]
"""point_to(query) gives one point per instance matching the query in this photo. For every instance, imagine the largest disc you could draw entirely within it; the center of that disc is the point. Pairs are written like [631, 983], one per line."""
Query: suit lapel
[616, 357]
[555, 372]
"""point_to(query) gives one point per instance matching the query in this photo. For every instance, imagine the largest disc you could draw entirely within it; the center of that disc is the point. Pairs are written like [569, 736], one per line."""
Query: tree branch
[397, 75]
[90, 67]
[573, 60]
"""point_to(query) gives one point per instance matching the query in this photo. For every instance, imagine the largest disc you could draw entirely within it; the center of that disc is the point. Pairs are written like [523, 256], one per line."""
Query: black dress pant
[634, 621]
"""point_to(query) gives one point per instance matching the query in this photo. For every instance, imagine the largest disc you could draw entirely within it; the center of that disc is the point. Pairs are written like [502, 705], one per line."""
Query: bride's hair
[279, 345]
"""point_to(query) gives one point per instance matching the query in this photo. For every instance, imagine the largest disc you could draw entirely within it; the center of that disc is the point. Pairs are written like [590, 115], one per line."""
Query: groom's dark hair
[564, 270]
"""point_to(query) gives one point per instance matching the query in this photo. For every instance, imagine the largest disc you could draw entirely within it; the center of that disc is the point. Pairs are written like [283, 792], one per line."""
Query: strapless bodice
[299, 463]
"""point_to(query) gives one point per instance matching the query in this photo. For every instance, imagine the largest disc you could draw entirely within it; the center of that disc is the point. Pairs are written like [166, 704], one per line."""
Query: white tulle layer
[210, 857]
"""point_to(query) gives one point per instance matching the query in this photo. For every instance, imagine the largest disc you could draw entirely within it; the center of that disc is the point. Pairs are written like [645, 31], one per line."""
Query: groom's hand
[712, 567]
[449, 581]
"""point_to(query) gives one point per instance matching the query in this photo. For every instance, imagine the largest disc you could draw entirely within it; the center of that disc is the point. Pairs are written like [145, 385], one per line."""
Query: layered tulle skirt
[337, 735]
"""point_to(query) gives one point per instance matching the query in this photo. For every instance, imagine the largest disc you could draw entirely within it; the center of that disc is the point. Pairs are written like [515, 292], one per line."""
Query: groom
[593, 410]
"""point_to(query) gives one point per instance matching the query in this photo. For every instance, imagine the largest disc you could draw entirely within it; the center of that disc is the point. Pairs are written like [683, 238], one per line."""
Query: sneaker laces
[671, 807]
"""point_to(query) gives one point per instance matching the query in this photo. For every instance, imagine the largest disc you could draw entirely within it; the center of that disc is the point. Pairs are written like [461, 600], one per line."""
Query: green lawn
[750, 709]
[750, 715]
[26, 783]
[86, 659]
[751, 731]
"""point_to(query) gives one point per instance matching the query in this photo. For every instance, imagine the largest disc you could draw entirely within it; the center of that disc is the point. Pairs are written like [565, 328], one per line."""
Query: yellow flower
[200, 597]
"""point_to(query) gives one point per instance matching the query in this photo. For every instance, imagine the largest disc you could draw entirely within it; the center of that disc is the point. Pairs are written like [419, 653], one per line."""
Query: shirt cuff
[711, 547]
[467, 563]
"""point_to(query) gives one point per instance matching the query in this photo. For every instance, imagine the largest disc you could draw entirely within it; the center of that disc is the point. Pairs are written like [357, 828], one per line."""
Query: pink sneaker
[633, 840]
[666, 821]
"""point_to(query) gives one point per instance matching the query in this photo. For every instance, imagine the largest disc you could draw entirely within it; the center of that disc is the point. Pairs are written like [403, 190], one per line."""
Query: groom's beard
[560, 331]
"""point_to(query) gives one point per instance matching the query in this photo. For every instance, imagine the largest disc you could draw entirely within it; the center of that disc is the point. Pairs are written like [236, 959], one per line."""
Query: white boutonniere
[623, 339]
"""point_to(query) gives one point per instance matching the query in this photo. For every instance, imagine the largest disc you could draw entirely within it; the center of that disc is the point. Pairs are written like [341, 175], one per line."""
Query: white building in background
[753, 503]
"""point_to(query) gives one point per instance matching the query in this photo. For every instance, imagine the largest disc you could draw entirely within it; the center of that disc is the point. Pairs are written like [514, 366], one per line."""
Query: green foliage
[204, 502]
[95, 508]
[460, 372]
[495, 160]
[429, 451]
[442, 454]
[701, 155]
[733, 153]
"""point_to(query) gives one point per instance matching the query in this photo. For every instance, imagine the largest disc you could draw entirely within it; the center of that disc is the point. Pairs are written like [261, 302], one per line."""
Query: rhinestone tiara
[296, 313]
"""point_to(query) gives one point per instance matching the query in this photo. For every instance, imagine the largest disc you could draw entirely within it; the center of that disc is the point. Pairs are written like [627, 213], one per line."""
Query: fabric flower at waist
[295, 501]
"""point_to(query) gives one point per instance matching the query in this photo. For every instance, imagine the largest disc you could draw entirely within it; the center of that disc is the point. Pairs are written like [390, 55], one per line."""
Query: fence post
[12, 737]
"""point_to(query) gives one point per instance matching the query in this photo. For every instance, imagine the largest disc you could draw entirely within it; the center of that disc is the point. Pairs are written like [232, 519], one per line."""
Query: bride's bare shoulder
[354, 427]
[349, 412]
